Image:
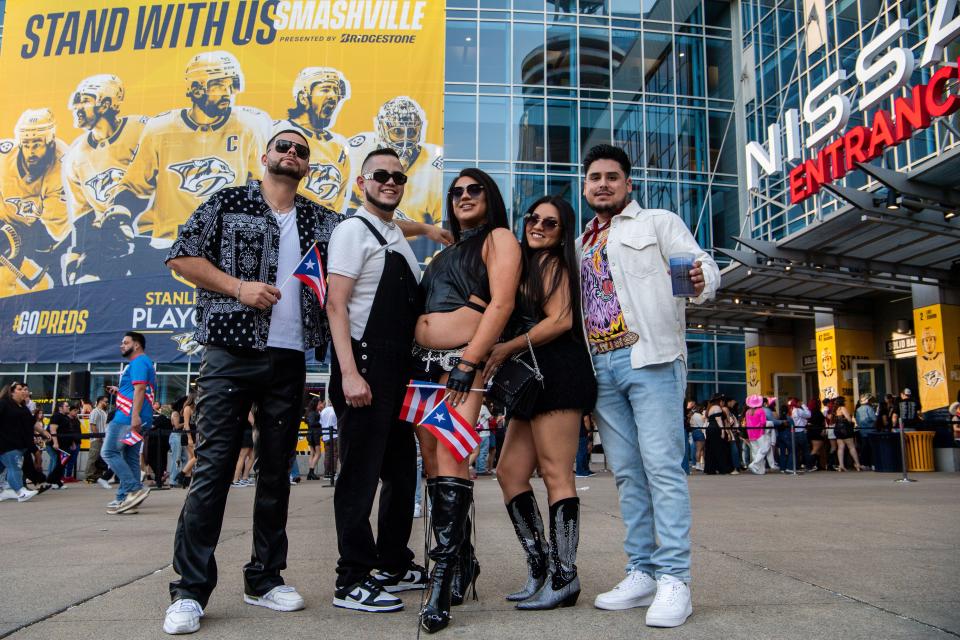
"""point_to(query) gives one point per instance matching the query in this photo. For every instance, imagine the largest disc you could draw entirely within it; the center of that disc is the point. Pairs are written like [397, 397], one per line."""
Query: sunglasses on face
[473, 190]
[383, 176]
[283, 146]
[549, 224]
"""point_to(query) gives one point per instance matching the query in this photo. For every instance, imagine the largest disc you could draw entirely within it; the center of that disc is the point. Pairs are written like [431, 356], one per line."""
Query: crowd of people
[725, 437]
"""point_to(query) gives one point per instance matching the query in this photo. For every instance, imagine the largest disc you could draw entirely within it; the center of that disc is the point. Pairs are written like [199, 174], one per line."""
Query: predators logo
[324, 180]
[25, 208]
[104, 183]
[204, 176]
[187, 344]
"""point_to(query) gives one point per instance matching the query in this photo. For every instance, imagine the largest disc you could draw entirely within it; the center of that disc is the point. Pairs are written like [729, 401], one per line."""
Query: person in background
[866, 419]
[314, 436]
[954, 412]
[98, 426]
[758, 431]
[16, 437]
[908, 410]
[59, 421]
[189, 418]
[799, 415]
[158, 437]
[585, 446]
[846, 440]
[328, 427]
[770, 408]
[481, 456]
[716, 450]
[698, 433]
[175, 440]
[241, 473]
[816, 432]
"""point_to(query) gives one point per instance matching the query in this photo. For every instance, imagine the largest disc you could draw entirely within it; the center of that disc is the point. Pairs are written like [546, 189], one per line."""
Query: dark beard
[277, 168]
[126, 352]
[317, 121]
[611, 209]
[389, 208]
[211, 108]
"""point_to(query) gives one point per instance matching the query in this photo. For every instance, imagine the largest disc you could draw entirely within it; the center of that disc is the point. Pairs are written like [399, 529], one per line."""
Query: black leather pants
[231, 380]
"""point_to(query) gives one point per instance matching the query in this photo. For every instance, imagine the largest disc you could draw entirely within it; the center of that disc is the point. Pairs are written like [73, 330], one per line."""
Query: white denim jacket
[638, 249]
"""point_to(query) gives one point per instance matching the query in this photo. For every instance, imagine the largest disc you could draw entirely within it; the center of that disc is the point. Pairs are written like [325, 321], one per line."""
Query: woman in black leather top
[470, 288]
[548, 312]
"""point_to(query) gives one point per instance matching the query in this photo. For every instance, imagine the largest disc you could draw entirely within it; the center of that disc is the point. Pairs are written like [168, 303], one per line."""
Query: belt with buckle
[621, 341]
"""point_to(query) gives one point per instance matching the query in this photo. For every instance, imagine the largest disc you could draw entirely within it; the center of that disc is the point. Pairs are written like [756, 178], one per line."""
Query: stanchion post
[903, 459]
[793, 448]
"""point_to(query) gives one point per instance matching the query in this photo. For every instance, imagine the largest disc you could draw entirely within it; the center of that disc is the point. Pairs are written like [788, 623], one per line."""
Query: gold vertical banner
[828, 374]
[931, 325]
[147, 109]
[753, 371]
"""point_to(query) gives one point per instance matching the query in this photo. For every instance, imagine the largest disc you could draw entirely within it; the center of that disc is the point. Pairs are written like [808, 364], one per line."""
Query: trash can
[919, 450]
[886, 451]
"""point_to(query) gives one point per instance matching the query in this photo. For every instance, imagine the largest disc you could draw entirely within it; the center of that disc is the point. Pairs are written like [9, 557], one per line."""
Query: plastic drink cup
[680, 266]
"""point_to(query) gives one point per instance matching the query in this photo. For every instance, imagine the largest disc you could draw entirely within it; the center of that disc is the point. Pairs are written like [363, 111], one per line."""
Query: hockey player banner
[121, 116]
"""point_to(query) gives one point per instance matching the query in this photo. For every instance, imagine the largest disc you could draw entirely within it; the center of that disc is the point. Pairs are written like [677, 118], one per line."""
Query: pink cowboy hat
[754, 401]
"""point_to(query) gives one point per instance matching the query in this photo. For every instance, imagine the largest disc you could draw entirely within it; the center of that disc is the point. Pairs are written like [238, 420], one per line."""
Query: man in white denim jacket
[635, 328]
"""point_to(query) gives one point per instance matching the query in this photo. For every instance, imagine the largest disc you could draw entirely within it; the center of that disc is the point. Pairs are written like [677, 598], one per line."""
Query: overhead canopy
[870, 248]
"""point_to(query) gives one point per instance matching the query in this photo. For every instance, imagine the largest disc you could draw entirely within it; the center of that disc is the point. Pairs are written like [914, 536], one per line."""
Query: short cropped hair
[607, 152]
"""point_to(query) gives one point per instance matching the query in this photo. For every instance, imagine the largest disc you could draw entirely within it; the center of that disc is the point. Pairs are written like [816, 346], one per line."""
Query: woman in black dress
[716, 454]
[547, 315]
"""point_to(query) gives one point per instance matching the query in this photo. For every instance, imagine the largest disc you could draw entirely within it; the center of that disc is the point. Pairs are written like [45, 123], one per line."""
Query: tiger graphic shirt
[601, 307]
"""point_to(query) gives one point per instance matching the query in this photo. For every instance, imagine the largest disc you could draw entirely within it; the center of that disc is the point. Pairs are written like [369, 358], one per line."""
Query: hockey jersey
[326, 183]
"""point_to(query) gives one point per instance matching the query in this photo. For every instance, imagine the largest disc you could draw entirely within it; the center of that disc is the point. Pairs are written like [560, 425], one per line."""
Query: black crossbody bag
[517, 383]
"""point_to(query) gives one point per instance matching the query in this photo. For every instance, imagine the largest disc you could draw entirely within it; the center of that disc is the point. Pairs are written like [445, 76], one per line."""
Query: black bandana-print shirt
[236, 231]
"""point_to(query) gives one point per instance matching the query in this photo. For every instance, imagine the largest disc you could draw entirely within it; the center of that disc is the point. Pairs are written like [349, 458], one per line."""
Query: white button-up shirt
[639, 245]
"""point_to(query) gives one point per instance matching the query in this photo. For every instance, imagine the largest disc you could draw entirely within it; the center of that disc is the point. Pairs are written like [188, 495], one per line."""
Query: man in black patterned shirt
[236, 247]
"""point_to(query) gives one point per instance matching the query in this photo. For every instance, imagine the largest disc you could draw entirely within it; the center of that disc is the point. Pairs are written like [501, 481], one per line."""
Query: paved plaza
[823, 556]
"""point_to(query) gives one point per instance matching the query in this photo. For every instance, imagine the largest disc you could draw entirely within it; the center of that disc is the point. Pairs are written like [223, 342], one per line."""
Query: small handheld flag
[420, 400]
[450, 429]
[310, 273]
[64, 456]
[131, 438]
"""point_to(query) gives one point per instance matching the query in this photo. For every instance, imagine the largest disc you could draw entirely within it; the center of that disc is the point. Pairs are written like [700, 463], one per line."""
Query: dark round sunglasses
[383, 176]
[473, 190]
[531, 220]
[283, 146]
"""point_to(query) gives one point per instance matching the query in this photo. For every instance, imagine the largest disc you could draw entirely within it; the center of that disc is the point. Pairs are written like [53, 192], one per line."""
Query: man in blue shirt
[134, 415]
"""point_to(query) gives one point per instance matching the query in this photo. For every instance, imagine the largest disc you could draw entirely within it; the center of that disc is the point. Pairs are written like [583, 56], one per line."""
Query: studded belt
[621, 341]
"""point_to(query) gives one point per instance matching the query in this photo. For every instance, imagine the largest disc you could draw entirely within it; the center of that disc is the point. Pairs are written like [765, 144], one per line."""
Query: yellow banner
[762, 363]
[137, 110]
[828, 374]
[936, 328]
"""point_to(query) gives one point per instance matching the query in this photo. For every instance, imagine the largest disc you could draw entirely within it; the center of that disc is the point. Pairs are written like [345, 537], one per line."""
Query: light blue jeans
[640, 416]
[483, 454]
[123, 459]
[173, 466]
[11, 461]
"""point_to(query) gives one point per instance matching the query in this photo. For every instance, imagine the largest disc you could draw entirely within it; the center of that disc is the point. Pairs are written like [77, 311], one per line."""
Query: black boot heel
[525, 515]
[451, 502]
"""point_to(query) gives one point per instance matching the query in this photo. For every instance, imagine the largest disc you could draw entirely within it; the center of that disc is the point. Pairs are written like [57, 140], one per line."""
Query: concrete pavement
[824, 556]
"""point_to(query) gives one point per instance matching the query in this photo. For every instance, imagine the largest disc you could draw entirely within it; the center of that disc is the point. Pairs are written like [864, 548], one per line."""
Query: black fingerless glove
[460, 380]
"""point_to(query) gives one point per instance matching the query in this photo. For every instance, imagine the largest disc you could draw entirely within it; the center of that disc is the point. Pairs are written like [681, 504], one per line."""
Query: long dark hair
[562, 258]
[496, 216]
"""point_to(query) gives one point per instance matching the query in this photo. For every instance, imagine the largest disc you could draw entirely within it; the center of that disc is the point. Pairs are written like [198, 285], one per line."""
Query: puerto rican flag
[450, 429]
[310, 273]
[64, 456]
[420, 400]
[131, 438]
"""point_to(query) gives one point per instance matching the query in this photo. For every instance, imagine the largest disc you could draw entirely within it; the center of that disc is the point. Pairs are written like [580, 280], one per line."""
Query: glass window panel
[171, 387]
[528, 53]
[628, 131]
[594, 124]
[566, 187]
[461, 52]
[627, 61]
[459, 134]
[494, 115]
[700, 355]
[724, 215]
[626, 8]
[658, 62]
[41, 390]
[527, 188]
[717, 14]
[593, 7]
[661, 148]
[494, 53]
[723, 155]
[737, 391]
[720, 76]
[494, 4]
[692, 140]
[561, 56]
[561, 131]
[595, 59]
[694, 211]
[528, 133]
[661, 194]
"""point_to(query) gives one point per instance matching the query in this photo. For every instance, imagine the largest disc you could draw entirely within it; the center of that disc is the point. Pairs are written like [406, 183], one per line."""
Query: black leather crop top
[448, 281]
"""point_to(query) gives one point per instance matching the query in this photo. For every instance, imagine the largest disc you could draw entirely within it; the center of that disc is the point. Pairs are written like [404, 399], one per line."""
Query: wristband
[467, 363]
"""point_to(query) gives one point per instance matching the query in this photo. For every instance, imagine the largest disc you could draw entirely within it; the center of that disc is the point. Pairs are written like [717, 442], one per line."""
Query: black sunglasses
[531, 220]
[473, 190]
[283, 146]
[383, 176]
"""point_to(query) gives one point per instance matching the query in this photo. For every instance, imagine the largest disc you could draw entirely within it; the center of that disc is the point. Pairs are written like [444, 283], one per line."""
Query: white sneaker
[282, 598]
[8, 494]
[25, 494]
[183, 616]
[417, 510]
[103, 483]
[672, 606]
[636, 590]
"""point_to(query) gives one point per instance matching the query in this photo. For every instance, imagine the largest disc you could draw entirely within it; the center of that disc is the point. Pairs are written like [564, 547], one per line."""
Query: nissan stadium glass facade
[781, 64]
[530, 86]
